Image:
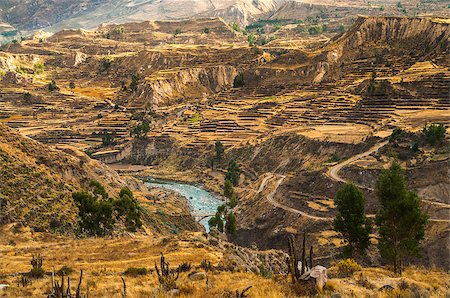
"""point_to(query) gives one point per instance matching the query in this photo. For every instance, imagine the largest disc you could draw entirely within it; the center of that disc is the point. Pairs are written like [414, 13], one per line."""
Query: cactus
[37, 271]
[166, 277]
[58, 290]
[293, 259]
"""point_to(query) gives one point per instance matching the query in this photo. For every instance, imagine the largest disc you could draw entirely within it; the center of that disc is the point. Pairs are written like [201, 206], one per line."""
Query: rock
[320, 274]
[197, 276]
[173, 293]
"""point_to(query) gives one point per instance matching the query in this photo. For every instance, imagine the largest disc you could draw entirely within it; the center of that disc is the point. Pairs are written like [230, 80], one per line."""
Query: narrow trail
[333, 173]
[271, 199]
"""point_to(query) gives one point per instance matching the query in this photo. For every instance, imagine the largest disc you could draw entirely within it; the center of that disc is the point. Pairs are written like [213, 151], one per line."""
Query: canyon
[300, 112]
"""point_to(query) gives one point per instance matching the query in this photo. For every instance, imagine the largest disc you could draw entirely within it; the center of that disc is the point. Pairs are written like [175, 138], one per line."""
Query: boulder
[197, 276]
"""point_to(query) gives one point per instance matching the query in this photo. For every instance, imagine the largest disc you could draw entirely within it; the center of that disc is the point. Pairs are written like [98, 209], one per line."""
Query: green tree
[134, 82]
[233, 201]
[230, 225]
[98, 189]
[52, 86]
[251, 39]
[351, 220]
[127, 209]
[235, 26]
[140, 130]
[107, 139]
[219, 150]
[72, 85]
[401, 221]
[233, 172]
[105, 63]
[95, 217]
[27, 97]
[228, 189]
[434, 133]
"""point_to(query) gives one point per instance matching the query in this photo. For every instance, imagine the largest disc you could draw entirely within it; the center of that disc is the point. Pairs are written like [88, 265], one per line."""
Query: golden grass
[104, 260]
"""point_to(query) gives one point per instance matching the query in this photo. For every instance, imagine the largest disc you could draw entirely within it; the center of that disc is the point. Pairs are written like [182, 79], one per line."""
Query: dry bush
[346, 268]
[364, 282]
[134, 271]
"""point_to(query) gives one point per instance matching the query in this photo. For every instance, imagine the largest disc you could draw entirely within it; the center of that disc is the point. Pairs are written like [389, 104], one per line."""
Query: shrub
[363, 281]
[396, 134]
[38, 68]
[346, 267]
[134, 271]
[37, 272]
[105, 63]
[265, 272]
[134, 82]
[66, 270]
[185, 267]
[52, 86]
[238, 81]
[27, 97]
[119, 30]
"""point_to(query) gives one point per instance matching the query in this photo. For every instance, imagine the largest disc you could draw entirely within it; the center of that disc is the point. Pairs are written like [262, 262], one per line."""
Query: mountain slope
[37, 181]
[62, 14]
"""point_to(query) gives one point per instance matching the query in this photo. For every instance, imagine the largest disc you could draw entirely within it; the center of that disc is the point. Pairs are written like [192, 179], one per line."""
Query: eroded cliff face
[195, 83]
[401, 41]
[416, 36]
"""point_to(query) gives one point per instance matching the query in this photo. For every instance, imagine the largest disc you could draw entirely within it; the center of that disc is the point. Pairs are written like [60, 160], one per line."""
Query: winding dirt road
[271, 199]
[333, 172]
